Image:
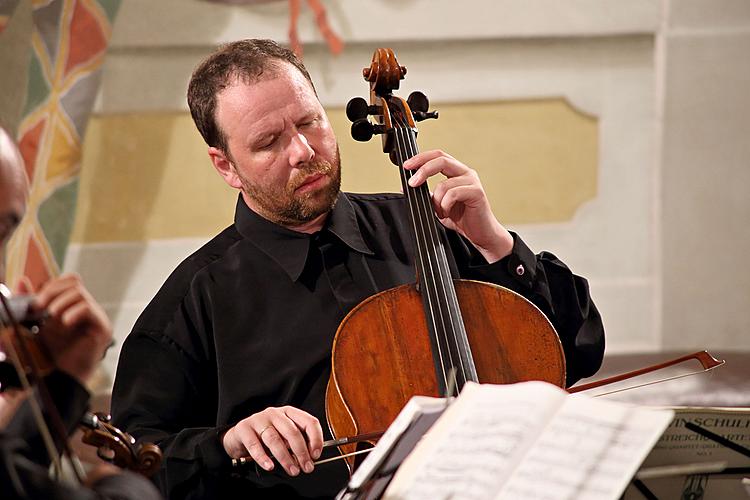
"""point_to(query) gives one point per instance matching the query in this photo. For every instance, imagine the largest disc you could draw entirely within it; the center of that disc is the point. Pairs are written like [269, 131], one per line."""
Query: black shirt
[24, 461]
[247, 322]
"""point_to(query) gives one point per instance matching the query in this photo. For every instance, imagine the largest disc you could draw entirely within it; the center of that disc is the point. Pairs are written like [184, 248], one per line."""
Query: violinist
[232, 356]
[76, 333]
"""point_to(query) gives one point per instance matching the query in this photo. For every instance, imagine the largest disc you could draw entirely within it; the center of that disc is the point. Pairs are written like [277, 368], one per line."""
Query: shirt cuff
[212, 450]
[518, 268]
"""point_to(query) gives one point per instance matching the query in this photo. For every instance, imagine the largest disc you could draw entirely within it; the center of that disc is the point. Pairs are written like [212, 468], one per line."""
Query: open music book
[529, 440]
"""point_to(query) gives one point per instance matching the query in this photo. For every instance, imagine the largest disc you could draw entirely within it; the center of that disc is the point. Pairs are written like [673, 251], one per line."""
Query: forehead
[280, 90]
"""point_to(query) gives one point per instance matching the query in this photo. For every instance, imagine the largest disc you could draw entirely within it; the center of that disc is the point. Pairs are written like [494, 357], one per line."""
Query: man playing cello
[232, 356]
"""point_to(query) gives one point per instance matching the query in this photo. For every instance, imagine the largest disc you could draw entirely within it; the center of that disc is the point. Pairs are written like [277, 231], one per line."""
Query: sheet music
[531, 441]
[477, 441]
[589, 451]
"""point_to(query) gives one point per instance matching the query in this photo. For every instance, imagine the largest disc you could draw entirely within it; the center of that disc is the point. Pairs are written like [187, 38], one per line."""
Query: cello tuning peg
[393, 156]
[418, 102]
[357, 109]
[421, 115]
[362, 130]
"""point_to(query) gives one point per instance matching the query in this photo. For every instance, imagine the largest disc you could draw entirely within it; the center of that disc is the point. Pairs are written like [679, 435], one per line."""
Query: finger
[55, 287]
[292, 432]
[443, 187]
[310, 426]
[447, 166]
[420, 159]
[63, 301]
[469, 196]
[78, 314]
[254, 447]
[279, 447]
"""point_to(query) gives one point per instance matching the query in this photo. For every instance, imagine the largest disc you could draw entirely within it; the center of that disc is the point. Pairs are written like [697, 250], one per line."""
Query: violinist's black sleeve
[24, 461]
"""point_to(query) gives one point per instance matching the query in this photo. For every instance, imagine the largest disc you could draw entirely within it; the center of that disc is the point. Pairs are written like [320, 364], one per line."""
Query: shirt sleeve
[23, 478]
[160, 397]
[70, 399]
[549, 284]
[24, 461]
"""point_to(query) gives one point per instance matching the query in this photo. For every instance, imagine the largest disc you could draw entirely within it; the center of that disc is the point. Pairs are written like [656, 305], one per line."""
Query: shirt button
[520, 270]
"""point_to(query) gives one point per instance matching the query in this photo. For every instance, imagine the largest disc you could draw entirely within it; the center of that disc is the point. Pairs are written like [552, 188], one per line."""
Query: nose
[300, 150]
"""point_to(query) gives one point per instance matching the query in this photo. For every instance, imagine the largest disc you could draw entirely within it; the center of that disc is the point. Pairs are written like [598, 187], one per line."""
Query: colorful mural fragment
[69, 41]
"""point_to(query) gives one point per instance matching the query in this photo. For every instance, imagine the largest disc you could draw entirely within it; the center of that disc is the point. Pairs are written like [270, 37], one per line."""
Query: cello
[440, 332]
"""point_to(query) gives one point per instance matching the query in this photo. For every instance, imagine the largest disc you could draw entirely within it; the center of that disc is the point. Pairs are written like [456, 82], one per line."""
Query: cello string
[423, 259]
[448, 291]
[458, 330]
[422, 206]
[424, 211]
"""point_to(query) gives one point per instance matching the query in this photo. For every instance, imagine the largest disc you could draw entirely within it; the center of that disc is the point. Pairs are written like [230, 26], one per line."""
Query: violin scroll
[118, 447]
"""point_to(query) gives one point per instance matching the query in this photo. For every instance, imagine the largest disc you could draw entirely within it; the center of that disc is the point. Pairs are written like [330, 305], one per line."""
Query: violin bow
[707, 361]
[44, 394]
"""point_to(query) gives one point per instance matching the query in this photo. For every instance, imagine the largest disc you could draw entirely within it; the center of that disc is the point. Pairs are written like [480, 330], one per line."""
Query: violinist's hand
[77, 332]
[461, 203]
[292, 436]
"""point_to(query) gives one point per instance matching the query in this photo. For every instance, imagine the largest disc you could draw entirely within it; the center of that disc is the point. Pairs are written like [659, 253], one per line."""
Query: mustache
[308, 169]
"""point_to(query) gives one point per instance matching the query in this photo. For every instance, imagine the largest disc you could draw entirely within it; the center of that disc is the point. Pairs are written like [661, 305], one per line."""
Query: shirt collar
[290, 248]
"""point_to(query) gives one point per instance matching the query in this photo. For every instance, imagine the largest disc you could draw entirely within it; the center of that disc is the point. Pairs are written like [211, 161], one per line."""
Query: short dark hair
[246, 60]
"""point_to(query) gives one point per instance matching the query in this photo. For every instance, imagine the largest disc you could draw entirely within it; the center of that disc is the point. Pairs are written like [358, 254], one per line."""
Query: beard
[284, 206]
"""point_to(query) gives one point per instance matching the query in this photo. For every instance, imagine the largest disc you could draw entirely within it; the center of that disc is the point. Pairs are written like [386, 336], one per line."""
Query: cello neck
[448, 336]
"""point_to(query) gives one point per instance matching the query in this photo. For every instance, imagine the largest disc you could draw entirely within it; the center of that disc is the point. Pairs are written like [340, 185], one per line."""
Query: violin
[24, 362]
[412, 339]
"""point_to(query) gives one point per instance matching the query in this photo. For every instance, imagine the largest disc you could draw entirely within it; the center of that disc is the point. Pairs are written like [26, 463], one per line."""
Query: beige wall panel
[705, 15]
[147, 176]
[706, 186]
[537, 159]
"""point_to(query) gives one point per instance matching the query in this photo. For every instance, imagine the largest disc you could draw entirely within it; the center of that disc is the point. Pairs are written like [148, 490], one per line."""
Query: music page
[589, 451]
[470, 451]
[529, 440]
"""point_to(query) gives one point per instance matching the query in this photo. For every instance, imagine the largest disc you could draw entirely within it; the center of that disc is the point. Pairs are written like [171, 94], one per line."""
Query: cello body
[382, 353]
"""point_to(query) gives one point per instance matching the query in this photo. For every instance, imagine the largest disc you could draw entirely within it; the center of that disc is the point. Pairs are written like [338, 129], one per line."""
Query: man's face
[282, 152]
[12, 201]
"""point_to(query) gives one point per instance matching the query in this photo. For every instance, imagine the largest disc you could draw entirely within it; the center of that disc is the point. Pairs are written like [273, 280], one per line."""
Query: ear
[225, 167]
